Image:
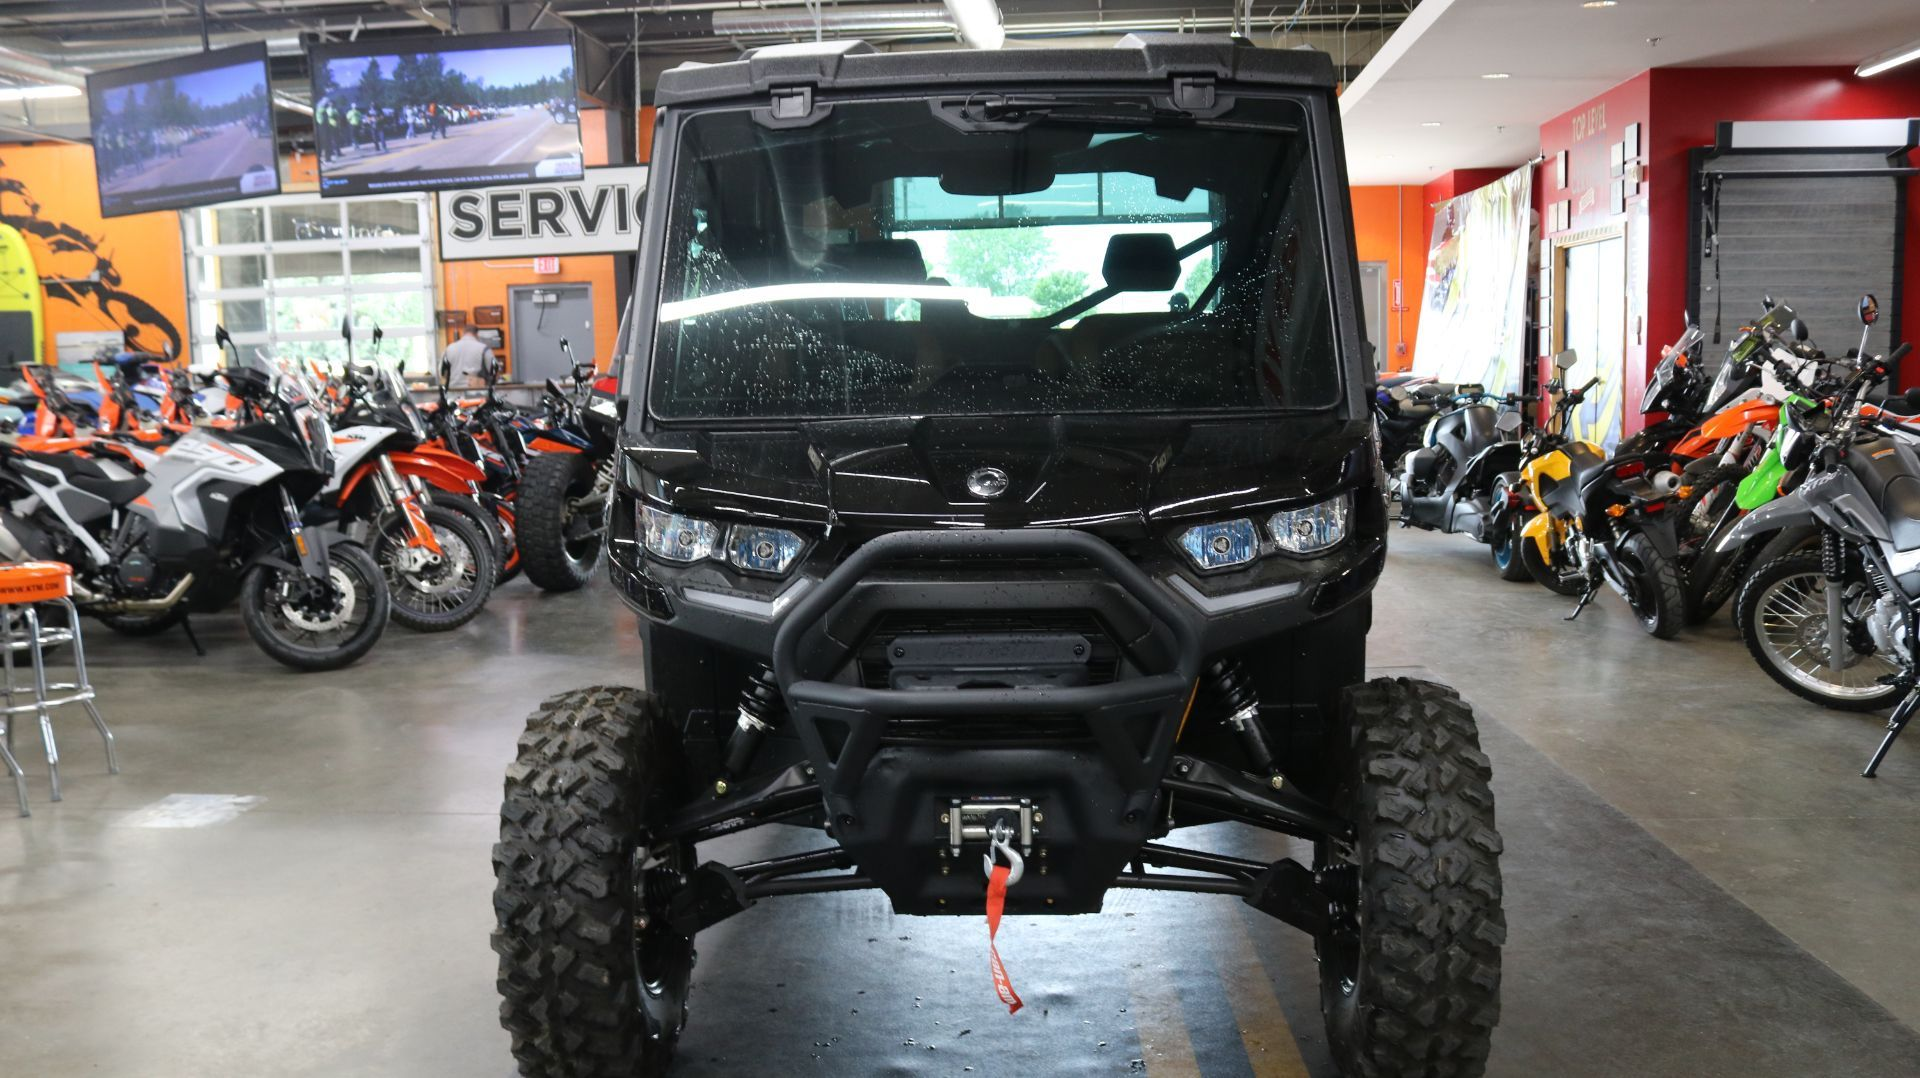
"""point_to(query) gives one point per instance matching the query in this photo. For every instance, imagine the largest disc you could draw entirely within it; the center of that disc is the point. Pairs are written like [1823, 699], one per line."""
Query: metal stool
[24, 587]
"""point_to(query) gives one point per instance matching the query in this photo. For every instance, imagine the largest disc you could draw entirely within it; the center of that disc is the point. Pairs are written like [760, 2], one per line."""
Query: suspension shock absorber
[1234, 693]
[760, 710]
[1833, 564]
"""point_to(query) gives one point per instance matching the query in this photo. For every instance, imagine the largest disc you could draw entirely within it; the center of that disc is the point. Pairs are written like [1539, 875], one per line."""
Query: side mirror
[1798, 329]
[582, 373]
[1766, 303]
[1869, 310]
[346, 327]
[1565, 361]
[377, 334]
[221, 337]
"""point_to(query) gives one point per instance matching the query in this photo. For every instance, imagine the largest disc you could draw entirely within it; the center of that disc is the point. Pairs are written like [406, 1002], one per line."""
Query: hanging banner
[597, 214]
[1473, 325]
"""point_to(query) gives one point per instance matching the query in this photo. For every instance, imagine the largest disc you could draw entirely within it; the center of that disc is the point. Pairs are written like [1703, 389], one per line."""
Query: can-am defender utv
[998, 494]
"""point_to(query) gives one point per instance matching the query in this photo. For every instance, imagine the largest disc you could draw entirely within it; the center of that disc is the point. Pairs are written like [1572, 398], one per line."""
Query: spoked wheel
[1410, 968]
[1783, 615]
[320, 624]
[593, 979]
[434, 591]
[499, 529]
[1653, 587]
[561, 518]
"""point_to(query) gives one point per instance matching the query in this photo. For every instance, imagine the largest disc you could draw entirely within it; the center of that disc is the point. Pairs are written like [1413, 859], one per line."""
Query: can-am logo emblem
[987, 482]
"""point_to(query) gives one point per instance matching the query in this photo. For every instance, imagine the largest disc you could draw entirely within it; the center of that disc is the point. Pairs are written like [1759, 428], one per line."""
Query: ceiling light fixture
[36, 93]
[1889, 60]
[1430, 123]
[1600, 3]
[1496, 75]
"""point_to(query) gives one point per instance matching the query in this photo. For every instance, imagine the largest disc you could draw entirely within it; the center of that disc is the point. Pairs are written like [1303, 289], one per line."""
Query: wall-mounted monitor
[184, 132]
[413, 114]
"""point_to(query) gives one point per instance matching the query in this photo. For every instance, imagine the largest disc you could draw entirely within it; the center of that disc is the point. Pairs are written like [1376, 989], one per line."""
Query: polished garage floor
[1698, 882]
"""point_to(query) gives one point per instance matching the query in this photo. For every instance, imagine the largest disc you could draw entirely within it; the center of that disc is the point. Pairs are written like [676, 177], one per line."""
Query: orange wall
[466, 285]
[1387, 227]
[47, 191]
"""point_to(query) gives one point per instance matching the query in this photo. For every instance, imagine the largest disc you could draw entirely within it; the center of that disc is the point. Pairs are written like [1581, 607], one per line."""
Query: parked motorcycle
[1449, 484]
[438, 561]
[216, 516]
[1603, 521]
[565, 481]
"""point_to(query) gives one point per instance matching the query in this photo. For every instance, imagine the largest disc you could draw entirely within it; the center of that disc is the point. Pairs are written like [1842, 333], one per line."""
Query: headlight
[749, 547]
[762, 550]
[1313, 529]
[673, 537]
[1219, 546]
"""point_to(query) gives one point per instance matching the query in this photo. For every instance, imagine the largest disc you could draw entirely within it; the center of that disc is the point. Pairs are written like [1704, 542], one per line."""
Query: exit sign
[547, 264]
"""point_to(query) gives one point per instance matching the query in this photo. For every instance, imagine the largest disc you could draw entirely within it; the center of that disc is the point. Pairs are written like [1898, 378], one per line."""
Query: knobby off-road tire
[545, 520]
[1508, 559]
[466, 570]
[1659, 603]
[486, 522]
[1413, 991]
[586, 991]
[1771, 635]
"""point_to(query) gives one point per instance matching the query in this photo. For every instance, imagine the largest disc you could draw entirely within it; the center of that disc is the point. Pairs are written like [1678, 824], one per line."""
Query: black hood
[1060, 471]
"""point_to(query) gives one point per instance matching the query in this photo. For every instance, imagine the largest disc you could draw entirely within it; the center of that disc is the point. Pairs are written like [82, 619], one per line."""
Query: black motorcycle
[1451, 483]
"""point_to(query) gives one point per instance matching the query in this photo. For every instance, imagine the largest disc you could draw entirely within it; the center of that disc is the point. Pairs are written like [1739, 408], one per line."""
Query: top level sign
[596, 214]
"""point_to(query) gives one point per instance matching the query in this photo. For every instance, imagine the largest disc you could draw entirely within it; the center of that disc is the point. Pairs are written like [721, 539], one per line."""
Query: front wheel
[561, 518]
[1782, 611]
[434, 592]
[1546, 573]
[593, 979]
[1653, 589]
[1410, 968]
[313, 624]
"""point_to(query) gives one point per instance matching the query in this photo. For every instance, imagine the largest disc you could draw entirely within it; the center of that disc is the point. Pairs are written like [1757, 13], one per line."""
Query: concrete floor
[1697, 882]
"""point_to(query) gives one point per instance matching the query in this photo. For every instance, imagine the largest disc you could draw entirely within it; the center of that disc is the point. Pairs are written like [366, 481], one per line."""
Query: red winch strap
[997, 901]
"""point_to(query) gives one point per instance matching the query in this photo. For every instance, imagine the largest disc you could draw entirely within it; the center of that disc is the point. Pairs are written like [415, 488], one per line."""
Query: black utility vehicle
[998, 494]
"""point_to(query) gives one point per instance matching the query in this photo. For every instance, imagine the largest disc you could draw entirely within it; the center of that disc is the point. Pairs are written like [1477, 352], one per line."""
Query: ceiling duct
[801, 24]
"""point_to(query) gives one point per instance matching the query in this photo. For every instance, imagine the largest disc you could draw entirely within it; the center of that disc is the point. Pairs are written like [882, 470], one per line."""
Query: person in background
[467, 359]
[353, 124]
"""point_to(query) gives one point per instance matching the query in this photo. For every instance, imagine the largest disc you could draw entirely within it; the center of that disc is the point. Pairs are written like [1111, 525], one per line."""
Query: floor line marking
[1272, 1049]
[1165, 1047]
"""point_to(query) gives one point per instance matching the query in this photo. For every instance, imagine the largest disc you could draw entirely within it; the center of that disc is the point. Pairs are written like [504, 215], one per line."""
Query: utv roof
[856, 65]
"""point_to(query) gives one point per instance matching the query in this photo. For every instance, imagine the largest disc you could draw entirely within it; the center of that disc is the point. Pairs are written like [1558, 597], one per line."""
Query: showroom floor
[1697, 882]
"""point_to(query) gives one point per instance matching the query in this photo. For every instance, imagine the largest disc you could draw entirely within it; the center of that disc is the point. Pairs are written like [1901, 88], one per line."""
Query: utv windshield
[993, 255]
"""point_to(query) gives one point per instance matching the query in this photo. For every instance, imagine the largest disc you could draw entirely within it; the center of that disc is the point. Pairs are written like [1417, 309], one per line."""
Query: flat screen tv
[416, 114]
[183, 132]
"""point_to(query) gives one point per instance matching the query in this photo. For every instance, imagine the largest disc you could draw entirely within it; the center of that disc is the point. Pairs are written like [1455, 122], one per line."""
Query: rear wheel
[593, 980]
[317, 624]
[1653, 587]
[1410, 971]
[435, 591]
[561, 518]
[1782, 612]
[1506, 544]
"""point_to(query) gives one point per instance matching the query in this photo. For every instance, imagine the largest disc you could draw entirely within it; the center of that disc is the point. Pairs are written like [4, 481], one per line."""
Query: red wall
[1689, 103]
[1389, 225]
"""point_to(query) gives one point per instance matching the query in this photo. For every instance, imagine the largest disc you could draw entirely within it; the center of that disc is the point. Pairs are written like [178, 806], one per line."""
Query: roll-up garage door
[1814, 227]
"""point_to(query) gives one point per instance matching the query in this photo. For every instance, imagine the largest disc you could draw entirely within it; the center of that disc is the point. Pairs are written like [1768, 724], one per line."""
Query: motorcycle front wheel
[434, 592]
[1507, 555]
[1544, 573]
[1782, 610]
[317, 624]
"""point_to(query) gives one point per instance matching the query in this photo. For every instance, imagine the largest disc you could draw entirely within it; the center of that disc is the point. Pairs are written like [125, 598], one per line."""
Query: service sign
[599, 213]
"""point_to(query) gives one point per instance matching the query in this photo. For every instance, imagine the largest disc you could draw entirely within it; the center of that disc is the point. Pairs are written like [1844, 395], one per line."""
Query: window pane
[394, 309]
[235, 226]
[1132, 193]
[399, 264]
[329, 354]
[409, 353]
[292, 314]
[308, 268]
[233, 271]
[321, 222]
[366, 220]
[1069, 196]
[238, 315]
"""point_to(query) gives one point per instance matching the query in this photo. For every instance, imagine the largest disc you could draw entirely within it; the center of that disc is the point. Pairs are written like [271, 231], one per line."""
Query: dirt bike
[565, 481]
[438, 560]
[216, 516]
